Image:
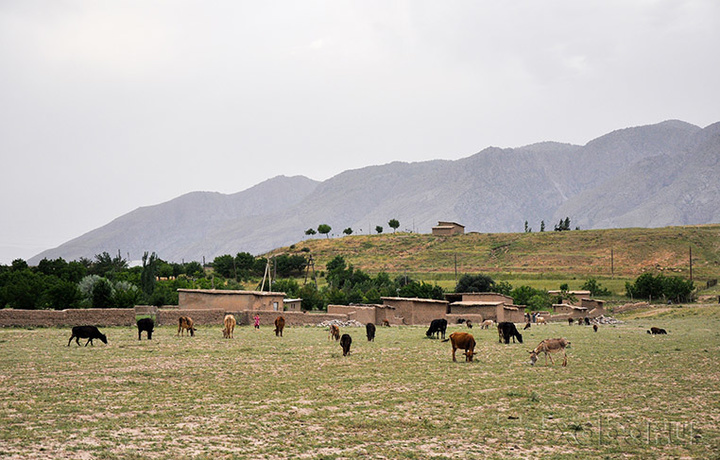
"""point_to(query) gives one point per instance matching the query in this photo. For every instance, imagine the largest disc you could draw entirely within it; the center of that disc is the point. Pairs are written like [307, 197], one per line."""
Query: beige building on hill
[448, 229]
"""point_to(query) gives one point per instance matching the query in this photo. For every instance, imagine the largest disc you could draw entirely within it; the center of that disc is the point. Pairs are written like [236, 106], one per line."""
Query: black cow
[506, 330]
[370, 330]
[345, 342]
[656, 330]
[437, 327]
[86, 332]
[145, 324]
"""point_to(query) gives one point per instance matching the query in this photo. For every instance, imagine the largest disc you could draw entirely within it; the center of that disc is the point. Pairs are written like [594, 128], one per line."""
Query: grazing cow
[656, 330]
[548, 346]
[345, 342]
[595, 327]
[229, 329]
[279, 326]
[469, 324]
[145, 324]
[464, 341]
[527, 325]
[486, 324]
[185, 322]
[334, 332]
[86, 332]
[570, 321]
[437, 327]
[370, 331]
[587, 321]
[386, 323]
[506, 330]
[541, 320]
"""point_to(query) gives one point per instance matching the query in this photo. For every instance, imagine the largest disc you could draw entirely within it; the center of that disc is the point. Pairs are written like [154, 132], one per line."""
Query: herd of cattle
[438, 327]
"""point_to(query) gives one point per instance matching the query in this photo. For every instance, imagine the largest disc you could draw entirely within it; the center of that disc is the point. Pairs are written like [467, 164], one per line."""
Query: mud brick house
[448, 229]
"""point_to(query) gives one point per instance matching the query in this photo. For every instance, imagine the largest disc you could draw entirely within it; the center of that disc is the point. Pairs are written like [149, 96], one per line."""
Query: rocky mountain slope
[648, 176]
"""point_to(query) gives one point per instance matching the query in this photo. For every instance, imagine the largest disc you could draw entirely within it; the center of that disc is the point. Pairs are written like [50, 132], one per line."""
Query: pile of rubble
[607, 320]
[338, 323]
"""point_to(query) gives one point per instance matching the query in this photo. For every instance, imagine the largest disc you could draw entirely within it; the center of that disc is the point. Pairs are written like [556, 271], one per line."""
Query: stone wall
[75, 317]
[164, 317]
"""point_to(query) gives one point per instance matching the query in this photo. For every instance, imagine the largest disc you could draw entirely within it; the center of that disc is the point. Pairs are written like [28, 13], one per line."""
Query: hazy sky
[106, 106]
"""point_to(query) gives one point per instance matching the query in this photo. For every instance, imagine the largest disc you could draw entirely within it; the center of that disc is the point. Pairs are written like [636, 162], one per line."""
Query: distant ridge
[648, 176]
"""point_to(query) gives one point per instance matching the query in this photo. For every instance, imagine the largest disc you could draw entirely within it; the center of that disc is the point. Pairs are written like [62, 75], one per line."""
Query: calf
[86, 332]
[370, 331]
[279, 326]
[587, 321]
[595, 327]
[506, 330]
[345, 342]
[334, 332]
[486, 324]
[541, 320]
[185, 322]
[469, 324]
[464, 341]
[386, 323]
[570, 321]
[656, 330]
[548, 346]
[229, 329]
[145, 324]
[437, 327]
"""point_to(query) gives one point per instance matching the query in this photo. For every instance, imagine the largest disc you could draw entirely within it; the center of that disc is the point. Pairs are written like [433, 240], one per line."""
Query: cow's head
[103, 337]
[533, 357]
[469, 355]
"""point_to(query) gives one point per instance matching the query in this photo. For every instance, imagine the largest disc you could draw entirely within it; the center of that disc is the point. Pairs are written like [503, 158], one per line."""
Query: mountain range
[649, 176]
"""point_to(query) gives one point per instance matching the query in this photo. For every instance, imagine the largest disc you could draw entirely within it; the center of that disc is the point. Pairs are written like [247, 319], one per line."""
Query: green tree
[475, 283]
[224, 266]
[310, 231]
[394, 224]
[534, 299]
[324, 229]
[149, 272]
[542, 225]
[102, 294]
[595, 288]
[379, 229]
[348, 231]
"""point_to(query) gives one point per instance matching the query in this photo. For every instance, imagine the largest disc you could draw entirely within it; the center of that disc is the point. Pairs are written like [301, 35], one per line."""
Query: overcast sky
[107, 106]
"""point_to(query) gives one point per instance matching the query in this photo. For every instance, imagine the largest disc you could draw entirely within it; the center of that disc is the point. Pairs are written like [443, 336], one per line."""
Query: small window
[275, 306]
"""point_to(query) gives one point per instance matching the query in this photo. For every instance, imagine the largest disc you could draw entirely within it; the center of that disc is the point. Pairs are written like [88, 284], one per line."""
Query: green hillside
[578, 254]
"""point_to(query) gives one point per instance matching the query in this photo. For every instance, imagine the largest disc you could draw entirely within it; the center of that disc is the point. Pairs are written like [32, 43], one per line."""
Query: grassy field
[623, 394]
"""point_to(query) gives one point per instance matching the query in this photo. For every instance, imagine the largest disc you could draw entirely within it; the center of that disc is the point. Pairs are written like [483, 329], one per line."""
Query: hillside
[583, 253]
[647, 176]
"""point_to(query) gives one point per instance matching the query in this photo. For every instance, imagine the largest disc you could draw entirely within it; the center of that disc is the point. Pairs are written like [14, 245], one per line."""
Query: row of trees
[325, 229]
[107, 281]
[562, 226]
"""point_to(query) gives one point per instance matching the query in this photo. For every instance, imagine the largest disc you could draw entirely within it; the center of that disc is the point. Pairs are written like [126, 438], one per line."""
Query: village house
[217, 299]
[448, 229]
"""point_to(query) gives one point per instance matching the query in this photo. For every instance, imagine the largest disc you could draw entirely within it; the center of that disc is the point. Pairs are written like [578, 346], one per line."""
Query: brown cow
[548, 346]
[279, 326]
[386, 323]
[464, 341]
[595, 327]
[185, 322]
[334, 332]
[229, 329]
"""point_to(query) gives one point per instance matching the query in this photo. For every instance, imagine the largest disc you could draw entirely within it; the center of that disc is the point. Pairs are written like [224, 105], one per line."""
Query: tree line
[108, 281]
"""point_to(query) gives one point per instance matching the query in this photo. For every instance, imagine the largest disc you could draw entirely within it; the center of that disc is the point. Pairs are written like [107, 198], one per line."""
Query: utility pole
[455, 269]
[612, 263]
[691, 276]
